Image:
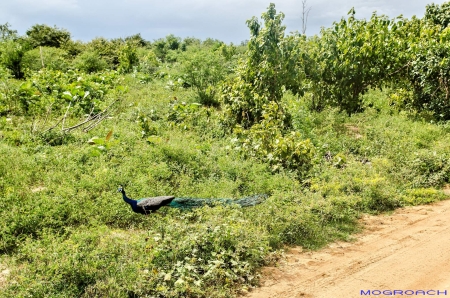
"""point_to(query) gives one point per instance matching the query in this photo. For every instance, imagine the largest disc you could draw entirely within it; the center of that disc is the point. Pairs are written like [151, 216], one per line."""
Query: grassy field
[300, 119]
[65, 232]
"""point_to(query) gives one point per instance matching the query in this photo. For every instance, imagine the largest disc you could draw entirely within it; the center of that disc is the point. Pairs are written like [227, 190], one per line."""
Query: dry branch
[94, 120]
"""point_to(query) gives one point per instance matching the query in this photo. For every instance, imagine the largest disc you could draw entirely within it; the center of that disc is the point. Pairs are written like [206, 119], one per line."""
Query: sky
[153, 19]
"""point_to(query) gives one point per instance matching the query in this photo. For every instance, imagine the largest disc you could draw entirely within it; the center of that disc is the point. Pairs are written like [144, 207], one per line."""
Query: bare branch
[65, 115]
[42, 58]
[305, 14]
[97, 118]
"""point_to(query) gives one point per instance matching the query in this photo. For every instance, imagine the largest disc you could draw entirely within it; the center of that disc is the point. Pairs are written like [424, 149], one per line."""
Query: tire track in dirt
[407, 250]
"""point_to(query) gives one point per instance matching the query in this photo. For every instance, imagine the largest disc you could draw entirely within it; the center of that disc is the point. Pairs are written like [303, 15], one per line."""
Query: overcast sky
[224, 20]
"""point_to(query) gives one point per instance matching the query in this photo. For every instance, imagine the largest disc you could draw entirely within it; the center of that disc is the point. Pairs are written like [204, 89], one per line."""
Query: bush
[107, 49]
[55, 90]
[11, 53]
[163, 46]
[148, 62]
[203, 70]
[267, 142]
[89, 62]
[429, 73]
[128, 58]
[7, 92]
[51, 58]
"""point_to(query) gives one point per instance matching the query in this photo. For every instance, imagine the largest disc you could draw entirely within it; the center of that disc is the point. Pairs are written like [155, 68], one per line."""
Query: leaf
[94, 152]
[86, 94]
[109, 135]
[67, 95]
[154, 140]
[96, 140]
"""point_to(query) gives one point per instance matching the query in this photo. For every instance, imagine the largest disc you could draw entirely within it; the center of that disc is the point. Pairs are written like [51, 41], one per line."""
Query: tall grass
[65, 232]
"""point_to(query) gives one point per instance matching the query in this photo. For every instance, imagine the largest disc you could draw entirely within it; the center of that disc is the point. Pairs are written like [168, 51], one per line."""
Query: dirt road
[408, 251]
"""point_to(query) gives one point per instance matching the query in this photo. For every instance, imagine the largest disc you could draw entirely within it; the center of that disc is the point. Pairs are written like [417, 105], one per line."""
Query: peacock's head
[120, 189]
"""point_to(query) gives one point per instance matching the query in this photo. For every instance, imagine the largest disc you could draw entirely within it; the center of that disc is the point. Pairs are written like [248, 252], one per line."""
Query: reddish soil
[406, 250]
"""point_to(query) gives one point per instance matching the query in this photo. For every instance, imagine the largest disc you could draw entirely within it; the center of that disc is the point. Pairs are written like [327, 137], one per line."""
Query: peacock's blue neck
[128, 200]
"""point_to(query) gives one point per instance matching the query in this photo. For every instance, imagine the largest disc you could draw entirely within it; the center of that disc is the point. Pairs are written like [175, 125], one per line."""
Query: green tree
[438, 14]
[272, 65]
[44, 35]
[429, 73]
[162, 46]
[137, 40]
[7, 33]
[350, 58]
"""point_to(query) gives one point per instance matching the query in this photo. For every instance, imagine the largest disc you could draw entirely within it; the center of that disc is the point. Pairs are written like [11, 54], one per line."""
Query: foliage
[137, 39]
[351, 57]
[128, 58]
[73, 48]
[107, 49]
[101, 146]
[44, 35]
[270, 68]
[54, 90]
[7, 89]
[6, 33]
[228, 51]
[186, 113]
[429, 73]
[148, 62]
[89, 62]
[163, 46]
[203, 70]
[11, 53]
[266, 141]
[438, 14]
[51, 58]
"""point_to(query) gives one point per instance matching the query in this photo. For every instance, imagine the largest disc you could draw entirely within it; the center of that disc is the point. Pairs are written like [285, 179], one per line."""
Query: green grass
[65, 232]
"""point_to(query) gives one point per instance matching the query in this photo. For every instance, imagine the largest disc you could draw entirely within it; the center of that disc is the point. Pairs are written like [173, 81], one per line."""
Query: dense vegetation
[350, 121]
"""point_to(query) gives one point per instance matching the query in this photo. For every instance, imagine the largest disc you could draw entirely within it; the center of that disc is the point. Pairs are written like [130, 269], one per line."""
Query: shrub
[107, 49]
[11, 53]
[148, 62]
[267, 142]
[51, 58]
[90, 61]
[429, 73]
[128, 57]
[55, 90]
[203, 70]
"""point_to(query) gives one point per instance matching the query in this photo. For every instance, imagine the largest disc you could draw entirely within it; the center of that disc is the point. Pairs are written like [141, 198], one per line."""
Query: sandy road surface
[408, 250]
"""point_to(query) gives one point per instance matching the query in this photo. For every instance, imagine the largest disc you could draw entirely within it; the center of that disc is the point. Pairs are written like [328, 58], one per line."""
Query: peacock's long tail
[189, 203]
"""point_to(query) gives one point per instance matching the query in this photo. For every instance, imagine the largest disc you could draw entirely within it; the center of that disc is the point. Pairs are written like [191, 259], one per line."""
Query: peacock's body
[147, 205]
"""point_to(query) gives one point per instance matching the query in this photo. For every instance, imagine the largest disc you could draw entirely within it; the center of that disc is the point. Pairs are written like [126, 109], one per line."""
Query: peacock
[148, 205]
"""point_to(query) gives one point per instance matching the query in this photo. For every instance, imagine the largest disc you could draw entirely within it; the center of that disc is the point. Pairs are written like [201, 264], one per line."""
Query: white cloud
[32, 7]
